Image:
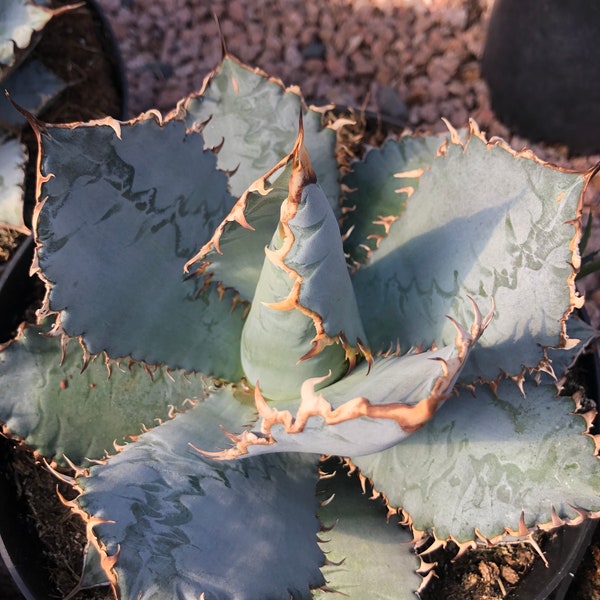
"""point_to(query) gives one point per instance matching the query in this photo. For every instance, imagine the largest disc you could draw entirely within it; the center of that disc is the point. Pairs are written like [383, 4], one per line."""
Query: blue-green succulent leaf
[12, 174]
[32, 87]
[180, 525]
[304, 320]
[93, 574]
[379, 188]
[369, 554]
[253, 121]
[123, 207]
[488, 458]
[234, 255]
[61, 410]
[364, 412]
[486, 223]
[19, 19]
[561, 360]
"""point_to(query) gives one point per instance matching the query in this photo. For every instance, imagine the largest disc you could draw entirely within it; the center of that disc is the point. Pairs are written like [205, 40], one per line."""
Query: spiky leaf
[303, 320]
[241, 252]
[484, 223]
[488, 458]
[366, 411]
[123, 208]
[32, 87]
[19, 19]
[380, 187]
[253, 121]
[368, 551]
[93, 574]
[61, 411]
[184, 525]
[12, 173]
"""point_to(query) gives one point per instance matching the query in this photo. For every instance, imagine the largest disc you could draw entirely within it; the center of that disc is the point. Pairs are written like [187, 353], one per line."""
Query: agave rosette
[303, 325]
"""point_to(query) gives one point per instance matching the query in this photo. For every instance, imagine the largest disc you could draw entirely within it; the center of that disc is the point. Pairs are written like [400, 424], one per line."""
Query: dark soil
[51, 537]
[480, 574]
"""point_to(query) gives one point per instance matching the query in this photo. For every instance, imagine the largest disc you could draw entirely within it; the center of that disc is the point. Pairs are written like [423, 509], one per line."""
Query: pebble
[314, 49]
[292, 56]
[236, 11]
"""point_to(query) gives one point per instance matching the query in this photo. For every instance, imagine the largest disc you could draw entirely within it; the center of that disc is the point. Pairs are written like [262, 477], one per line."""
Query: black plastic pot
[23, 571]
[541, 62]
[564, 554]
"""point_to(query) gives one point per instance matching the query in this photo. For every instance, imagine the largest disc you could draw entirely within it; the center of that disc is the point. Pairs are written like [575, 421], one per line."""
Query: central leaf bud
[304, 320]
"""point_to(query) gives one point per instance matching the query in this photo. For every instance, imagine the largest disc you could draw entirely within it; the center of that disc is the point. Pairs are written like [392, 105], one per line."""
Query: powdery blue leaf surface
[60, 410]
[19, 19]
[32, 86]
[486, 459]
[241, 254]
[184, 525]
[380, 187]
[304, 320]
[369, 553]
[253, 121]
[561, 360]
[123, 208]
[486, 223]
[12, 174]
[92, 573]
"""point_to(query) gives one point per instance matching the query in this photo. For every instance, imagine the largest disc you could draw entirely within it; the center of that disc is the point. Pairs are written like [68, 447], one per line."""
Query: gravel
[413, 59]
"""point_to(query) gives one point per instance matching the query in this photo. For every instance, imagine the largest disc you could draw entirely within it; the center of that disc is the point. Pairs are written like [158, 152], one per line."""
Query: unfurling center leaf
[304, 319]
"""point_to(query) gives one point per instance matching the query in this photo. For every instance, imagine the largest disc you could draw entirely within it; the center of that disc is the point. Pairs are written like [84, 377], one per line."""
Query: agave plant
[226, 305]
[32, 85]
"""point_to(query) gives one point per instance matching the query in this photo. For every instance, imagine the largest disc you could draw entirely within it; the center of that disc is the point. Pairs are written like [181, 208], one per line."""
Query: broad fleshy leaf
[19, 19]
[32, 86]
[486, 223]
[369, 554]
[561, 360]
[179, 525]
[487, 459]
[380, 187]
[12, 174]
[123, 207]
[93, 574]
[235, 254]
[253, 121]
[366, 411]
[61, 411]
